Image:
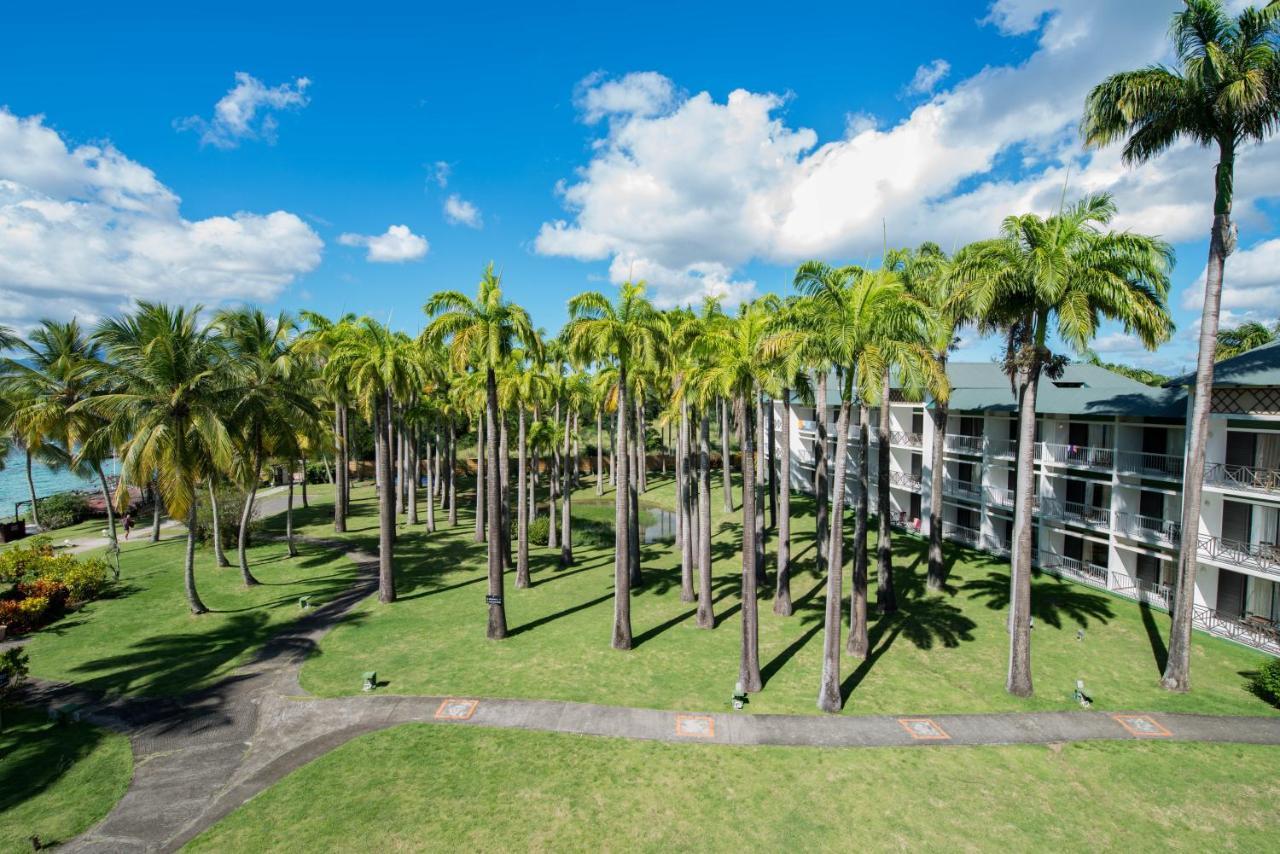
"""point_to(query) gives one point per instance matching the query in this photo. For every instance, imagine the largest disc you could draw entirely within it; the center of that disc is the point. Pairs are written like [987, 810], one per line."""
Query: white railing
[1001, 448]
[1149, 528]
[960, 534]
[1261, 635]
[1075, 512]
[962, 488]
[910, 440]
[963, 444]
[1141, 462]
[1076, 455]
[1264, 557]
[901, 478]
[1091, 573]
[1247, 478]
[998, 496]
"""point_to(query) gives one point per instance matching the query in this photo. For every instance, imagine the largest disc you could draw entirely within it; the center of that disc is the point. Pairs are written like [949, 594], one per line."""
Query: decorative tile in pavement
[695, 726]
[1142, 725]
[923, 729]
[456, 710]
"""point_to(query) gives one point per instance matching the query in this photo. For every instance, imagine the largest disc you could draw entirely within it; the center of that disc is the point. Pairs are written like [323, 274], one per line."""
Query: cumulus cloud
[458, 211]
[396, 245]
[686, 181]
[928, 77]
[1250, 286]
[247, 111]
[84, 231]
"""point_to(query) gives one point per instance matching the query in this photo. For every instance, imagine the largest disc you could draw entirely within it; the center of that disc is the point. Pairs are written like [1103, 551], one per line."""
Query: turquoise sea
[13, 481]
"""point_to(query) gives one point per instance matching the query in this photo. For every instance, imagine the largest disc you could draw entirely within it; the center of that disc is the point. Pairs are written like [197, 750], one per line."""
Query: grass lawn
[940, 653]
[142, 640]
[419, 787]
[56, 780]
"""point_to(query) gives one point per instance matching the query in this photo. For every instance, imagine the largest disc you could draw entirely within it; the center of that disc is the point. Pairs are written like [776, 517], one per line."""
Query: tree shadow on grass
[813, 611]
[1053, 599]
[1158, 649]
[925, 622]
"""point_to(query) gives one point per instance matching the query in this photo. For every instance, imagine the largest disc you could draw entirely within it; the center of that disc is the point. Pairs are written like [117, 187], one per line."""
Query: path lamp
[370, 680]
[739, 696]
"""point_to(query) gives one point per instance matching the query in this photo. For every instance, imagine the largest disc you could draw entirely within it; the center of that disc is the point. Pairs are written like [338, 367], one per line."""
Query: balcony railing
[1092, 573]
[903, 479]
[1260, 556]
[1256, 634]
[963, 444]
[962, 488]
[1149, 528]
[1247, 478]
[960, 534]
[1076, 512]
[1076, 455]
[1000, 497]
[911, 440]
[1141, 462]
[1004, 448]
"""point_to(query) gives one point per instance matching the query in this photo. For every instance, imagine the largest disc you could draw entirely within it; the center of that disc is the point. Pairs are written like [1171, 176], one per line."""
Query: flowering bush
[83, 579]
[28, 614]
[41, 583]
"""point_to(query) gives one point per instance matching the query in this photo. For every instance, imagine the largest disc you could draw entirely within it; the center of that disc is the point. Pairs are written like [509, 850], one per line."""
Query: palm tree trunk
[453, 475]
[504, 481]
[397, 463]
[106, 497]
[219, 556]
[433, 480]
[599, 450]
[1018, 681]
[684, 506]
[769, 451]
[642, 445]
[157, 503]
[386, 505]
[189, 563]
[633, 499]
[480, 492]
[31, 486]
[859, 645]
[886, 597]
[821, 476]
[522, 501]
[749, 666]
[782, 599]
[288, 521]
[613, 455]
[411, 458]
[497, 628]
[566, 499]
[724, 455]
[246, 513]
[829, 695]
[761, 535]
[346, 461]
[937, 568]
[706, 607]
[621, 523]
[1177, 671]
[303, 463]
[553, 488]
[340, 472]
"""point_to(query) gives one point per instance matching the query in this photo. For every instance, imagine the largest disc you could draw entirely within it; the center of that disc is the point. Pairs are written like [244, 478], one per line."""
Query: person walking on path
[128, 524]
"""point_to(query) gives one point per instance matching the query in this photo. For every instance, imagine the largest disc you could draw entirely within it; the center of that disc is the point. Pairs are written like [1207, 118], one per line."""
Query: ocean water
[13, 480]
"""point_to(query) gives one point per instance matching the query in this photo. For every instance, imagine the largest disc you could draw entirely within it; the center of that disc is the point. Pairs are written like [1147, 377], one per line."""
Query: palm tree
[624, 331]
[319, 340]
[482, 333]
[170, 387]
[523, 388]
[1241, 339]
[1225, 92]
[740, 362]
[1063, 272]
[381, 367]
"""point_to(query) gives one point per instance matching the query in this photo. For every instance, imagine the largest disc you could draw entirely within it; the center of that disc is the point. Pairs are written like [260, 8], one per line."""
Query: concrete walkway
[199, 757]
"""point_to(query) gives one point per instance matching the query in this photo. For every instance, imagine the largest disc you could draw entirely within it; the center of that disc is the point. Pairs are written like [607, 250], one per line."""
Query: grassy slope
[419, 786]
[943, 653]
[144, 641]
[56, 780]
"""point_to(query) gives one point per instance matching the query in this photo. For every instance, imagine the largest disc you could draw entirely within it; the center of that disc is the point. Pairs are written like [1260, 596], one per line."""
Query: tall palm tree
[1066, 273]
[523, 388]
[623, 330]
[171, 387]
[1241, 339]
[319, 340]
[381, 366]
[482, 333]
[740, 359]
[1224, 92]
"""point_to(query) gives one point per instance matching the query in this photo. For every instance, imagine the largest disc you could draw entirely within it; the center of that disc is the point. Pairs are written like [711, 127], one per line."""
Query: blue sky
[706, 150]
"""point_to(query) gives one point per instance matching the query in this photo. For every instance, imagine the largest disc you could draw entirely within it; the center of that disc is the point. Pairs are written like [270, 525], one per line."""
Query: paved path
[199, 757]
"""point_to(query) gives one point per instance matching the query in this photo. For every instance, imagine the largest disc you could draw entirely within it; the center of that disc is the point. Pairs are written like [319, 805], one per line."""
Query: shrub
[63, 509]
[84, 579]
[13, 671]
[1266, 683]
[24, 560]
[230, 506]
[539, 530]
[317, 473]
[29, 613]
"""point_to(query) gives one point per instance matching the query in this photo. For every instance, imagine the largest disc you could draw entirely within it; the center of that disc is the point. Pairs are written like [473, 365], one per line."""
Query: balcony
[905, 480]
[1002, 448]
[1076, 456]
[962, 488]
[1148, 528]
[1082, 570]
[1248, 632]
[963, 444]
[1264, 557]
[908, 440]
[1077, 513]
[1000, 497]
[1155, 465]
[960, 534]
[1244, 478]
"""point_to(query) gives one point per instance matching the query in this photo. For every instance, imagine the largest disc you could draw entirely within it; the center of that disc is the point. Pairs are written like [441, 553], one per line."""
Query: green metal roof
[1258, 367]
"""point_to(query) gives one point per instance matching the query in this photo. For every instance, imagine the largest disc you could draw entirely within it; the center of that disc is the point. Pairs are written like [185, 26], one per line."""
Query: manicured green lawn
[56, 780]
[424, 787]
[940, 653]
[142, 640]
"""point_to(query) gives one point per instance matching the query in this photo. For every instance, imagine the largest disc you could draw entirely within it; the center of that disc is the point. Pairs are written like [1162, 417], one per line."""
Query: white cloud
[84, 231]
[1250, 285]
[681, 181]
[247, 111]
[928, 77]
[396, 245]
[640, 94]
[440, 172]
[458, 211]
